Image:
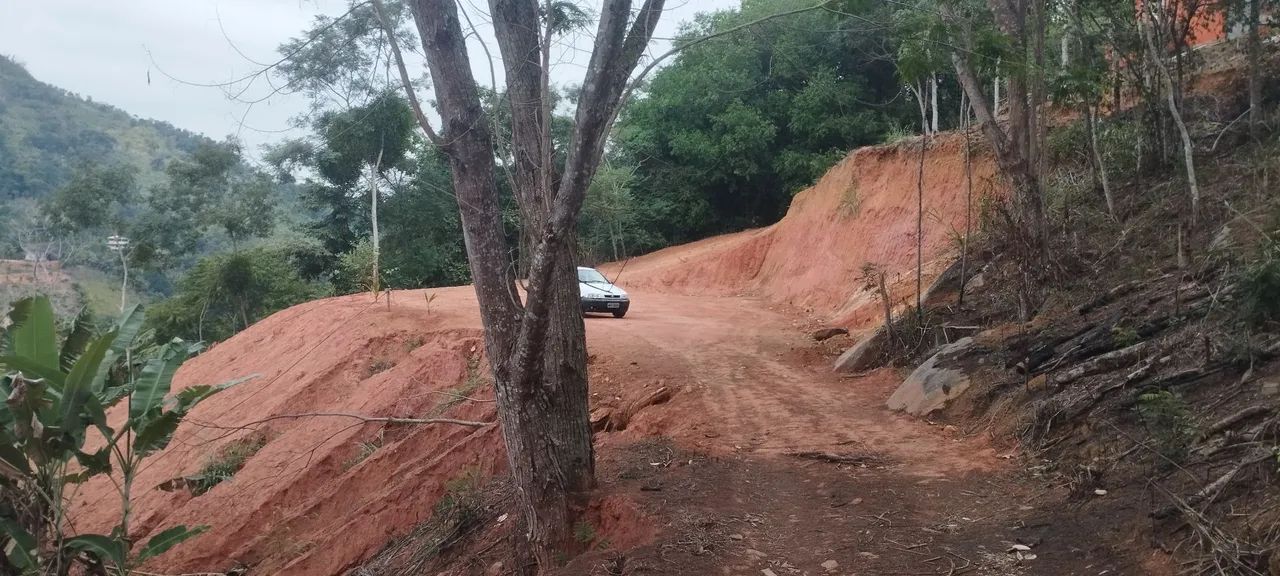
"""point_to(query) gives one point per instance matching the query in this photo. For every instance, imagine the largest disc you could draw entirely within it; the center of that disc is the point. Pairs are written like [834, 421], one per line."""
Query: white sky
[105, 49]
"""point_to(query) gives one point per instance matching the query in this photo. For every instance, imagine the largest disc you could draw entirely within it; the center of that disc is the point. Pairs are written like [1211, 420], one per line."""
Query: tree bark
[537, 349]
[1015, 150]
[968, 197]
[1255, 69]
[1099, 167]
[924, 146]
[1146, 22]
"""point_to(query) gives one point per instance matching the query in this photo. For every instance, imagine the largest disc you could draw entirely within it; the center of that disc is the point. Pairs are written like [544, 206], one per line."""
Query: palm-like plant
[55, 396]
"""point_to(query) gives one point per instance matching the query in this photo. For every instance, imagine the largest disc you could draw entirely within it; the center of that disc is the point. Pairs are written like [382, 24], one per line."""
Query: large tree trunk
[1015, 150]
[537, 348]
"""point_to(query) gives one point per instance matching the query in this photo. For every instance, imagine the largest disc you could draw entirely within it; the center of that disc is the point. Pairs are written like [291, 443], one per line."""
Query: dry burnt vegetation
[1148, 384]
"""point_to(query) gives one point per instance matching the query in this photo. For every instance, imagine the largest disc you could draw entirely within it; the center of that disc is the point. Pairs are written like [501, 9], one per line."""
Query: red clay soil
[863, 211]
[750, 391]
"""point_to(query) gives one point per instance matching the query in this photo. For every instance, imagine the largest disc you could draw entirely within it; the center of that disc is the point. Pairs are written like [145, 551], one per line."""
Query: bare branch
[360, 417]
[404, 74]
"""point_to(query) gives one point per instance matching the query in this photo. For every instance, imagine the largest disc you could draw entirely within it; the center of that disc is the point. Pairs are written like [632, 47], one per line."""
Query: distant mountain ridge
[46, 132]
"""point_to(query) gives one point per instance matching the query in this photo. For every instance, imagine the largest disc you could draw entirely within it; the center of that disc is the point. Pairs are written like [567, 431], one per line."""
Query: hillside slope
[312, 488]
[863, 211]
[45, 132]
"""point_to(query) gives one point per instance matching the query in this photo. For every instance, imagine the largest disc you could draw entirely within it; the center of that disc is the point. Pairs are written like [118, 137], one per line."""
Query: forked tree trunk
[1015, 150]
[536, 348]
[1188, 149]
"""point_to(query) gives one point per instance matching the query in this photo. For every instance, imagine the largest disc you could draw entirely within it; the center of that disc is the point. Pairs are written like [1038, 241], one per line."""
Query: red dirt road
[750, 381]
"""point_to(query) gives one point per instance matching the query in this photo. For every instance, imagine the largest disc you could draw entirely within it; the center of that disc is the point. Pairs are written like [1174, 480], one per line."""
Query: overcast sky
[106, 49]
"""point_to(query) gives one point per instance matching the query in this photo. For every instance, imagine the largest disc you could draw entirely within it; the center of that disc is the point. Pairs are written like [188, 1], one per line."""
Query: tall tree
[1020, 28]
[536, 348]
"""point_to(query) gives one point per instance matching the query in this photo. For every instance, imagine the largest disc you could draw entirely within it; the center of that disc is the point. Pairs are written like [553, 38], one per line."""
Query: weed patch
[224, 465]
[1168, 420]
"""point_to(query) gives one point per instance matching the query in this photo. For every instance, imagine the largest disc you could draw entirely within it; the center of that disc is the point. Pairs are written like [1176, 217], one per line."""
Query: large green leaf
[33, 369]
[96, 463]
[153, 384]
[162, 542]
[33, 334]
[82, 331]
[81, 383]
[127, 329]
[154, 433]
[187, 399]
[104, 547]
[22, 545]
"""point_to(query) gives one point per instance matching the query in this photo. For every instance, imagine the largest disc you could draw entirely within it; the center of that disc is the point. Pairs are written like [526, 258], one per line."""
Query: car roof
[585, 268]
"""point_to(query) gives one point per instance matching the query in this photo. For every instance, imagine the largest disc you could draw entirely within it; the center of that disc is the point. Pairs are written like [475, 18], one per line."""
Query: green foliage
[584, 532]
[56, 393]
[1260, 286]
[421, 232]
[355, 270]
[726, 133]
[224, 465]
[210, 190]
[609, 224]
[1124, 336]
[47, 134]
[225, 293]
[331, 62]
[95, 198]
[1168, 420]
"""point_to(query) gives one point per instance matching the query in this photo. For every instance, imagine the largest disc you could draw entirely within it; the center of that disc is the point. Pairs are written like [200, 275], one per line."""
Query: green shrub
[58, 390]
[1260, 287]
[225, 293]
[224, 465]
[1168, 419]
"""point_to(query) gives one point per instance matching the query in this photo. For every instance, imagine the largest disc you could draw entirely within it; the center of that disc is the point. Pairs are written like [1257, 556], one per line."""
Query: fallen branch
[362, 418]
[1232, 420]
[854, 458]
[1104, 363]
[1212, 490]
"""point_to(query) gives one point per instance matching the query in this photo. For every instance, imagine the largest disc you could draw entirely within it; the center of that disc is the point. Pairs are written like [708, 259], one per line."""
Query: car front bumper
[605, 305]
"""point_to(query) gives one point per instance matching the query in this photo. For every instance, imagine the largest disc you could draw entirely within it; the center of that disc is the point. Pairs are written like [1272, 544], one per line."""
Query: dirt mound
[863, 211]
[319, 494]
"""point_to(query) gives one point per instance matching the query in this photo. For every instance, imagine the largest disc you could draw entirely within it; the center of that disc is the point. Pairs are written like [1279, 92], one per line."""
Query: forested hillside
[45, 132]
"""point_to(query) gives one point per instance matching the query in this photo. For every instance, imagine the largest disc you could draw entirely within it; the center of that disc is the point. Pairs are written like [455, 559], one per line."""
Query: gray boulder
[868, 353]
[933, 383]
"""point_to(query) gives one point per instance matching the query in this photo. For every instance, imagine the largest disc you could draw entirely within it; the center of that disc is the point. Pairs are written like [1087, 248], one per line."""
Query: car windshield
[590, 276]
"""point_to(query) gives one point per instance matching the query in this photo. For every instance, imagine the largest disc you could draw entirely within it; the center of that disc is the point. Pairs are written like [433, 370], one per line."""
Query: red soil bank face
[863, 211]
[306, 503]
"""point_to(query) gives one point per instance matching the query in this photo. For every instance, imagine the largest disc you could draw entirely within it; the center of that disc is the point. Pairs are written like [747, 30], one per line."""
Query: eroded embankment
[322, 492]
[863, 211]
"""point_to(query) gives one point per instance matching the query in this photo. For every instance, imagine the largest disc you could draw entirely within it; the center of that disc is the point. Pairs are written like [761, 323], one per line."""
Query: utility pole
[120, 245]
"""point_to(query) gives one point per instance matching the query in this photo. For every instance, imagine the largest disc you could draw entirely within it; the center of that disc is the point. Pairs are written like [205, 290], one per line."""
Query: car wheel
[619, 313]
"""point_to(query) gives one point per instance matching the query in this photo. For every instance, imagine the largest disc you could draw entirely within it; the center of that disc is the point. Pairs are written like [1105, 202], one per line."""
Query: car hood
[599, 289]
